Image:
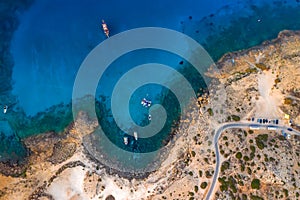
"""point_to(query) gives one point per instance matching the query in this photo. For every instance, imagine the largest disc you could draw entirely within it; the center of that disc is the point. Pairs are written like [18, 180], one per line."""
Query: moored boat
[105, 28]
[5, 109]
[125, 140]
[135, 135]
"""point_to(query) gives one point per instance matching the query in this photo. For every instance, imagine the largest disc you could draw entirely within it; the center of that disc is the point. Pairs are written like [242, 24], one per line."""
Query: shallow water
[54, 37]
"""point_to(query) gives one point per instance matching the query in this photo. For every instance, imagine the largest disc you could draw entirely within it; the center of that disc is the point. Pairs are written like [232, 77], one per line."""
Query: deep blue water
[54, 37]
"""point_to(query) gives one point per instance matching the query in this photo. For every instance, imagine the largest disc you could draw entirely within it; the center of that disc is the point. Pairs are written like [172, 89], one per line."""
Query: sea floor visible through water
[53, 38]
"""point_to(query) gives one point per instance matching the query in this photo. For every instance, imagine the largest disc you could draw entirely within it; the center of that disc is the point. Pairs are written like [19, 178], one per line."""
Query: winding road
[220, 130]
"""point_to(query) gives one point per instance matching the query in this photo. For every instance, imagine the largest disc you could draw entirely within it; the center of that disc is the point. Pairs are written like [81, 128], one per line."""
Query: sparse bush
[252, 148]
[225, 166]
[288, 101]
[254, 197]
[196, 188]
[244, 197]
[203, 185]
[259, 140]
[210, 111]
[206, 160]
[208, 174]
[277, 80]
[246, 158]
[191, 193]
[193, 153]
[286, 192]
[235, 118]
[238, 155]
[260, 144]
[242, 168]
[249, 170]
[200, 173]
[255, 184]
[261, 66]
[250, 70]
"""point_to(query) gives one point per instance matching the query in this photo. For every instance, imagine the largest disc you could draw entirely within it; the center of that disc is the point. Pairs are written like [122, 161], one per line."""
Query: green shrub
[210, 111]
[235, 118]
[203, 185]
[208, 174]
[261, 66]
[191, 193]
[286, 192]
[242, 168]
[252, 148]
[244, 197]
[225, 166]
[249, 170]
[255, 184]
[193, 153]
[254, 197]
[196, 188]
[246, 158]
[259, 144]
[238, 155]
[200, 173]
[250, 70]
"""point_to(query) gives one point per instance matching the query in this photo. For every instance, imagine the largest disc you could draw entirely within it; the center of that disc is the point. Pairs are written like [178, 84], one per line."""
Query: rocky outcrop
[62, 151]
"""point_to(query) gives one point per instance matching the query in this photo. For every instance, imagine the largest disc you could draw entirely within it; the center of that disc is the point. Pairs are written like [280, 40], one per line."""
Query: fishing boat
[105, 29]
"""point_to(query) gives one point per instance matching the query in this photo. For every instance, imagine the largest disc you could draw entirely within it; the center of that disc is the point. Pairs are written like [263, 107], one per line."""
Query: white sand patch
[69, 185]
[267, 105]
[131, 190]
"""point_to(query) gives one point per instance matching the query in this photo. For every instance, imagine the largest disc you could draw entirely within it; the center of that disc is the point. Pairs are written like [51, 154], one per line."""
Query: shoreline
[231, 55]
[24, 117]
[190, 153]
[61, 140]
[8, 167]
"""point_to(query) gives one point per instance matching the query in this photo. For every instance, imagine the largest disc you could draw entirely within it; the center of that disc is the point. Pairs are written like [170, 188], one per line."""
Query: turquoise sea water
[53, 37]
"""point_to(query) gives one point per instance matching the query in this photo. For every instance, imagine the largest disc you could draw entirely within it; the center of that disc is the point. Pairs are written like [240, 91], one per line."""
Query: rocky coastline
[55, 153]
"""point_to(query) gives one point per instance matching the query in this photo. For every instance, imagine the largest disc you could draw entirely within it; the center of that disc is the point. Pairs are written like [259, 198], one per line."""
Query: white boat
[125, 140]
[105, 28]
[135, 135]
[5, 109]
[145, 102]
